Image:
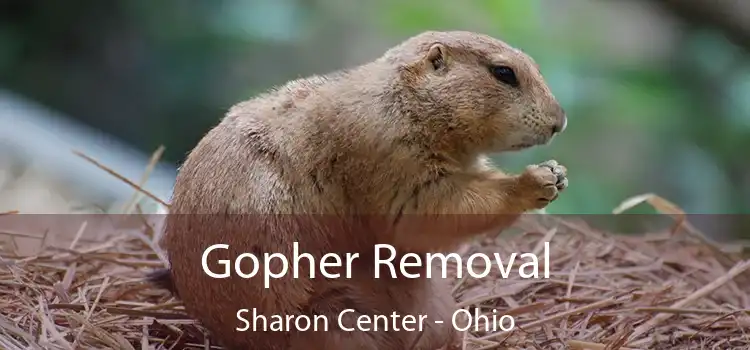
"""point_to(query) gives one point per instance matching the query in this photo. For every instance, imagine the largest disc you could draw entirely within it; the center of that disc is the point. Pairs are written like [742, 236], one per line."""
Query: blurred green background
[657, 92]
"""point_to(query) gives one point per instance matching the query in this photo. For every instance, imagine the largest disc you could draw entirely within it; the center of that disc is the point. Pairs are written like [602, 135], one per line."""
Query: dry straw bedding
[662, 290]
[655, 291]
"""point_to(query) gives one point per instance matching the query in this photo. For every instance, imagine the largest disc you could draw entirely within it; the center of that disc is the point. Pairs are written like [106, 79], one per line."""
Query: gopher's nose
[561, 124]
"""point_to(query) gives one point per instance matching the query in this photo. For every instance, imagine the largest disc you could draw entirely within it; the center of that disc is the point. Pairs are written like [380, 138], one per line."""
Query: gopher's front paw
[541, 183]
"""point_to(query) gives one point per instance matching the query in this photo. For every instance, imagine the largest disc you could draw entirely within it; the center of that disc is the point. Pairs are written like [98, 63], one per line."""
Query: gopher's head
[478, 91]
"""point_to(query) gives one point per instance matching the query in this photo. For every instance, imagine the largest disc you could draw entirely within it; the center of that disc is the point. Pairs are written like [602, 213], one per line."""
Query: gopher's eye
[505, 74]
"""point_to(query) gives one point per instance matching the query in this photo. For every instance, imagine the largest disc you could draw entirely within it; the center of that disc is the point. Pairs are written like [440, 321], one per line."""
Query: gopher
[394, 151]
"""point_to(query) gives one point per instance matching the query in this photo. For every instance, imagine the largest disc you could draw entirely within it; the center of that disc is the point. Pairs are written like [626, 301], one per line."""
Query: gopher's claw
[559, 171]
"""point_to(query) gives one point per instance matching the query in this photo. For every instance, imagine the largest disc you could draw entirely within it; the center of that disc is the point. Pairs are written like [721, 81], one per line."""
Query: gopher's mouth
[532, 141]
[520, 146]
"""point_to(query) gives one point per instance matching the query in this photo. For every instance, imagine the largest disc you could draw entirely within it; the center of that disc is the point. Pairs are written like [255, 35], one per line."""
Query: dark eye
[505, 74]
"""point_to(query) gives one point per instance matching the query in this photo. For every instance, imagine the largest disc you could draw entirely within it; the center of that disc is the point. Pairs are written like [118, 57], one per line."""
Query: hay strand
[122, 178]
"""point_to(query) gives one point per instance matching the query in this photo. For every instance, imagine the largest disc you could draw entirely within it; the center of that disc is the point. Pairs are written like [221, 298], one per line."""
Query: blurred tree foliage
[680, 128]
[163, 72]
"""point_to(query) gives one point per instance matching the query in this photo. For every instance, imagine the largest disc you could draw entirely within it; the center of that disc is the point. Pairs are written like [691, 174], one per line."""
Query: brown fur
[392, 151]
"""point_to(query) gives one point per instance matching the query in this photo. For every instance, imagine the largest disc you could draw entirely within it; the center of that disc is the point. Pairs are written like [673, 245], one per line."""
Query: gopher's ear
[436, 56]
